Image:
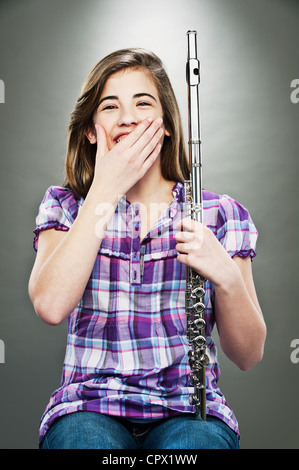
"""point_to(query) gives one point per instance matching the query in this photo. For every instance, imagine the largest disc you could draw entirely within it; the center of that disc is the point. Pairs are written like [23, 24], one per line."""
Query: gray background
[249, 56]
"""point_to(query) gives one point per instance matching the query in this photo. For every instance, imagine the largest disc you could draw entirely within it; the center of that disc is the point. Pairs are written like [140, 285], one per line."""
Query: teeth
[121, 138]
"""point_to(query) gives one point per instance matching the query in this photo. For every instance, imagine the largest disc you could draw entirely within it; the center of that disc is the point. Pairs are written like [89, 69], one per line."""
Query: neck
[154, 194]
[152, 187]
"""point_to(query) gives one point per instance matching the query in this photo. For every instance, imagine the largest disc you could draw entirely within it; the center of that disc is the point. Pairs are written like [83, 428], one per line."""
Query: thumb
[102, 147]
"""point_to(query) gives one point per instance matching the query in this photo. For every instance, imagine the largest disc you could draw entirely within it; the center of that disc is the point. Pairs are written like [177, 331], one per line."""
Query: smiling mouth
[120, 138]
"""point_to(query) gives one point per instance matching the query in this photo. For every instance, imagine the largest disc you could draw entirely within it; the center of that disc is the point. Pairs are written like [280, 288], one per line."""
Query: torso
[151, 210]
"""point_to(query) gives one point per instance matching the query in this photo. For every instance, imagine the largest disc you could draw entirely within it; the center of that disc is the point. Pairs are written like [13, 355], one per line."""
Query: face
[128, 97]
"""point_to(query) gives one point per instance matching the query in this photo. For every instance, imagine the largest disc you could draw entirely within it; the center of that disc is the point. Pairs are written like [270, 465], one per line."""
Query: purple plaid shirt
[127, 351]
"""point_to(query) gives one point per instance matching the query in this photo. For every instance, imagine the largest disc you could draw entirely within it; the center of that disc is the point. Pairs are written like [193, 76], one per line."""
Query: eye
[108, 107]
[144, 103]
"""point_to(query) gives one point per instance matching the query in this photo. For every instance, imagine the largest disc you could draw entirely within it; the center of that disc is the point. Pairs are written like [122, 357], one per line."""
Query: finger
[135, 135]
[182, 258]
[151, 145]
[150, 138]
[189, 224]
[143, 133]
[184, 237]
[102, 147]
[183, 248]
[147, 163]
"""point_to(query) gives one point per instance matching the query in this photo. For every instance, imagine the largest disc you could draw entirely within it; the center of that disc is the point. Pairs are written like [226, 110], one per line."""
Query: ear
[91, 134]
[166, 131]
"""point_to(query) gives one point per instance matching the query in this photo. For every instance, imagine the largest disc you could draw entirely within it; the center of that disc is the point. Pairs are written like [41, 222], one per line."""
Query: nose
[127, 116]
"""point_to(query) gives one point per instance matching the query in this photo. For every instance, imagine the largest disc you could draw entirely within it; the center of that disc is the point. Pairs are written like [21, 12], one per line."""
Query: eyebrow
[137, 95]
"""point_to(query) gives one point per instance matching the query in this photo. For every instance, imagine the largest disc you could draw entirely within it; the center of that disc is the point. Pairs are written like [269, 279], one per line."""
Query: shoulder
[58, 209]
[60, 194]
[58, 198]
[231, 223]
[224, 208]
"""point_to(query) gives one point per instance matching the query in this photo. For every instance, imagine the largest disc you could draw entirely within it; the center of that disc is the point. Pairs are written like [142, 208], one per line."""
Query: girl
[112, 249]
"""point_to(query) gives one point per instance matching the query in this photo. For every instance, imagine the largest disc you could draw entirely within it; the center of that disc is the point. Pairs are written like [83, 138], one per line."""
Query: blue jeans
[90, 430]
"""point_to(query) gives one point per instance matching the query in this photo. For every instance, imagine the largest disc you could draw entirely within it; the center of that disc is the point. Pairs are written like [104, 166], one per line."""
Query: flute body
[193, 207]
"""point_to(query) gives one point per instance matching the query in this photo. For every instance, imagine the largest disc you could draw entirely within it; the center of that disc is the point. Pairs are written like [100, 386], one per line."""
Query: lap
[90, 430]
[87, 430]
[191, 433]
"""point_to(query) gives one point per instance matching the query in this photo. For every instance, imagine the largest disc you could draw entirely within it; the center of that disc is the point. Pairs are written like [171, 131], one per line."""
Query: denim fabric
[89, 430]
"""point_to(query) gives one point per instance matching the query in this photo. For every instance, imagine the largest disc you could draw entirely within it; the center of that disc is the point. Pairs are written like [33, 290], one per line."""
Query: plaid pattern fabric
[127, 352]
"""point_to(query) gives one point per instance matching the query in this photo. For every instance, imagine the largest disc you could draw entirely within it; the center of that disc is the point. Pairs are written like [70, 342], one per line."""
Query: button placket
[135, 278]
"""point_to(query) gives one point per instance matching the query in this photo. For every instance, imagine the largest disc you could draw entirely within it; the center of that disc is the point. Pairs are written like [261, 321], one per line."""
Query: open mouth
[120, 137]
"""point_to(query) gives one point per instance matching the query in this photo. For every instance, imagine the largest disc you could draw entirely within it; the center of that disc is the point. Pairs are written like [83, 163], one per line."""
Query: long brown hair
[80, 156]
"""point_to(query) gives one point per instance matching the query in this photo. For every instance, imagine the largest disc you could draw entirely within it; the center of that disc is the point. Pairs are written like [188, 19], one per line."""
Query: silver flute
[193, 207]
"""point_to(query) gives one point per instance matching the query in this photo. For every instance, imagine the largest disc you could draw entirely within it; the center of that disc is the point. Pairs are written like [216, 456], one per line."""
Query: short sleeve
[235, 228]
[58, 210]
